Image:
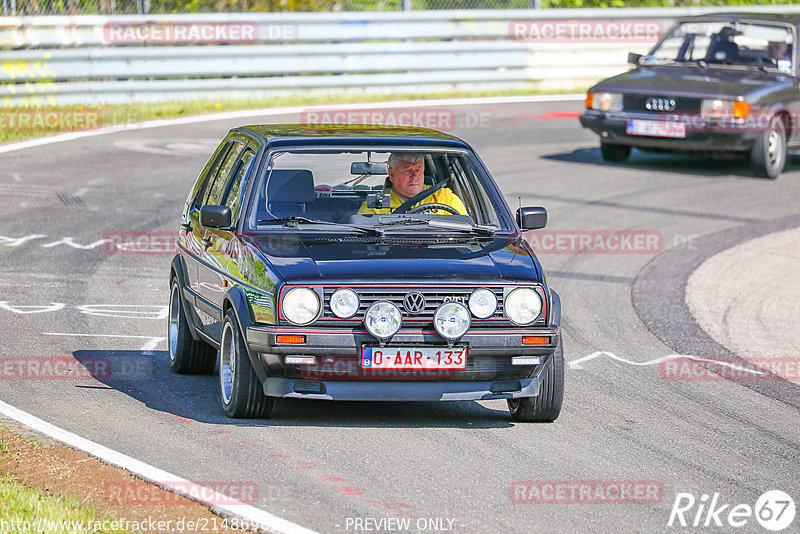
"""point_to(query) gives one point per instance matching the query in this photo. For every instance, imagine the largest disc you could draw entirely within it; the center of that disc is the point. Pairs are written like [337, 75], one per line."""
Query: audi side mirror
[634, 59]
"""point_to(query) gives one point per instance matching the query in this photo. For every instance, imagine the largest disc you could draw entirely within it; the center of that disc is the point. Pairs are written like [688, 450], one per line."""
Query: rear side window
[233, 199]
[208, 174]
[217, 183]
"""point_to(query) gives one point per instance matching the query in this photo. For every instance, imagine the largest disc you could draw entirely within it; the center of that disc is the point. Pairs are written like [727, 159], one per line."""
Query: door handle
[186, 227]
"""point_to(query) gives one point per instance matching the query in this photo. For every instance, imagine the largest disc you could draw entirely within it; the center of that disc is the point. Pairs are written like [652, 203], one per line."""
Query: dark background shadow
[693, 165]
[147, 377]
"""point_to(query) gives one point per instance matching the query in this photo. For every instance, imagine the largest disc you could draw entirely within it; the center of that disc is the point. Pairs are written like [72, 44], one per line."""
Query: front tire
[240, 389]
[187, 355]
[546, 406]
[614, 153]
[768, 156]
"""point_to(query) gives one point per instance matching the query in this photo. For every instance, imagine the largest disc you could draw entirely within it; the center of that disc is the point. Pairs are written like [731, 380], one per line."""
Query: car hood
[302, 258]
[713, 82]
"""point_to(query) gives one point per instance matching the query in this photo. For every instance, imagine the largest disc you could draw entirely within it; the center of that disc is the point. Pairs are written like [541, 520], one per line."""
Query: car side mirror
[532, 218]
[214, 216]
[635, 59]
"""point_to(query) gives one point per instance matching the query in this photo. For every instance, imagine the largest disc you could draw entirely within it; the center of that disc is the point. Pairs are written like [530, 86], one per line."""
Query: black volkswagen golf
[361, 263]
[713, 84]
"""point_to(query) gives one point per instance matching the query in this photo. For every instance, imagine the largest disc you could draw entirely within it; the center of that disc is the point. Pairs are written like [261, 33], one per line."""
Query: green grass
[111, 115]
[23, 509]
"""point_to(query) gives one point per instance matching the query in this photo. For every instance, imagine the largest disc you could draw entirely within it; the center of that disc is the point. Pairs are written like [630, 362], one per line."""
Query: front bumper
[702, 135]
[338, 375]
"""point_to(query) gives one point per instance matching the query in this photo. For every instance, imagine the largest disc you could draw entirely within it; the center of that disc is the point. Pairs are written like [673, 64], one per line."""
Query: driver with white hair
[407, 176]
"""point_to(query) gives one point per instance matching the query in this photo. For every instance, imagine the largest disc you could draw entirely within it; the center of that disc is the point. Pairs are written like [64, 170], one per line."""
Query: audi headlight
[523, 305]
[301, 306]
[451, 320]
[713, 108]
[344, 303]
[604, 101]
[383, 319]
[716, 109]
[482, 303]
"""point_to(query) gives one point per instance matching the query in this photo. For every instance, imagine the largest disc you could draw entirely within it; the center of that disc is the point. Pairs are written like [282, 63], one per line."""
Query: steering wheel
[433, 206]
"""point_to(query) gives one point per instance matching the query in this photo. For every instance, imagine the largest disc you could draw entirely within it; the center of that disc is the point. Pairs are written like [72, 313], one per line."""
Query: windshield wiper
[294, 221]
[440, 224]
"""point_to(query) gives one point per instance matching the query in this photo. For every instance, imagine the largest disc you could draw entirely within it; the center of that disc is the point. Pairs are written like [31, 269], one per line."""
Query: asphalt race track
[449, 467]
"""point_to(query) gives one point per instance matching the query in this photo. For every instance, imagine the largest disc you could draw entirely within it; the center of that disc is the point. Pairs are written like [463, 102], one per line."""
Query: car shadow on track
[674, 163]
[146, 377]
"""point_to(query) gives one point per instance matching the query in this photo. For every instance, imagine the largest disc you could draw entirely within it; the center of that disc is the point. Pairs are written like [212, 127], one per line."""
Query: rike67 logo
[774, 510]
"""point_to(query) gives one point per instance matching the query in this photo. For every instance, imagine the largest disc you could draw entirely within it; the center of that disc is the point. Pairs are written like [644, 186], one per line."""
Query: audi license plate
[413, 358]
[656, 128]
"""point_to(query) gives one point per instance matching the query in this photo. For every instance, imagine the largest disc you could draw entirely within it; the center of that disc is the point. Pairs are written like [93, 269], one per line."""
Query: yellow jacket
[442, 196]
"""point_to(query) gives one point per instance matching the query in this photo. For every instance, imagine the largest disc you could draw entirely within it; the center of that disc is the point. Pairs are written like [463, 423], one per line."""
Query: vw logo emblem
[660, 104]
[414, 303]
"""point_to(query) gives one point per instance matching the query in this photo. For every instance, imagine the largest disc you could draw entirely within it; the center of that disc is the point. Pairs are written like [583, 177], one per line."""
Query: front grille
[683, 105]
[434, 297]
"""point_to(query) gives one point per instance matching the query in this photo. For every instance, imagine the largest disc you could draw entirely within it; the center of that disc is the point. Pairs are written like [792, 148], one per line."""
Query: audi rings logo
[660, 104]
[414, 303]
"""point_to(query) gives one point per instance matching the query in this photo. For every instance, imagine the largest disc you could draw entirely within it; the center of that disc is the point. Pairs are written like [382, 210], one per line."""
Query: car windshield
[381, 190]
[719, 43]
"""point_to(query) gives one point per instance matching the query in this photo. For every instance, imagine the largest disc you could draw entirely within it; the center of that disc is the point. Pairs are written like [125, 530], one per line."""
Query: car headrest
[290, 185]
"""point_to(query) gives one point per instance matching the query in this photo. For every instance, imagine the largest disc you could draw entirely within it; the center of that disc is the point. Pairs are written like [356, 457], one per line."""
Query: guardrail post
[143, 7]
[406, 5]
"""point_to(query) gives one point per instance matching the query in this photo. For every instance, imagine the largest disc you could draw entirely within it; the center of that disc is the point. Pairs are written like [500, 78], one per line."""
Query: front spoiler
[401, 391]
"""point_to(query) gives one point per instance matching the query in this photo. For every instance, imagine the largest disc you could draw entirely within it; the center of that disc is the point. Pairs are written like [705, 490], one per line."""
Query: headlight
[383, 319]
[724, 109]
[451, 320]
[482, 303]
[523, 305]
[344, 303]
[301, 306]
[604, 101]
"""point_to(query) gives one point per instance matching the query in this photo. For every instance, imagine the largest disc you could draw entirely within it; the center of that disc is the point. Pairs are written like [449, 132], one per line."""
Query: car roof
[356, 134]
[791, 18]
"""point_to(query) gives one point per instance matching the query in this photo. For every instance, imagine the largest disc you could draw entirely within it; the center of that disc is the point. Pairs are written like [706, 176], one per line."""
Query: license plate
[656, 128]
[413, 358]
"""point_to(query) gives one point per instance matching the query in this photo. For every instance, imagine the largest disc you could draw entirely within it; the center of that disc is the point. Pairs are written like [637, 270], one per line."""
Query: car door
[213, 276]
[191, 232]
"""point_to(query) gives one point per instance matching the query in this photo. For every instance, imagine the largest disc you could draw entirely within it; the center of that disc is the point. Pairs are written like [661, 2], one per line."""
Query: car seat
[288, 192]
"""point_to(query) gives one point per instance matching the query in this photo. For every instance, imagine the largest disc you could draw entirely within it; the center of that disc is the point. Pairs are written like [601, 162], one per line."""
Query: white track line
[151, 344]
[266, 521]
[576, 364]
[249, 114]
